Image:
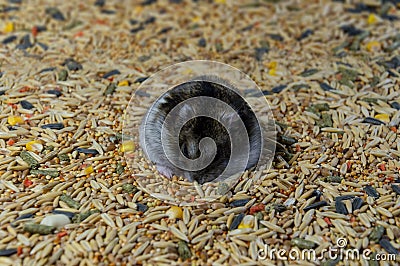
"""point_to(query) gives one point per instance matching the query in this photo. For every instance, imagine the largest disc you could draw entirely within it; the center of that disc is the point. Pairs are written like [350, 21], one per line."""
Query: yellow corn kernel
[175, 212]
[383, 117]
[34, 146]
[9, 27]
[373, 45]
[14, 120]
[196, 19]
[272, 72]
[372, 19]
[123, 83]
[128, 146]
[247, 222]
[220, 1]
[138, 9]
[272, 65]
[88, 170]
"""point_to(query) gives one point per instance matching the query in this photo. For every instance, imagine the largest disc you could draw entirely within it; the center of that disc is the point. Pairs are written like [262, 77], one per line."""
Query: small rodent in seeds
[192, 140]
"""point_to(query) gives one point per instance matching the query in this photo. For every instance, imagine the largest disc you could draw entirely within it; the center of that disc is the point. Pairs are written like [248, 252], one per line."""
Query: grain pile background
[69, 68]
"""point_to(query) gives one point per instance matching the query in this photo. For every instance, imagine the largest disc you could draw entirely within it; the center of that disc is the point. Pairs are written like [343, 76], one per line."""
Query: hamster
[203, 139]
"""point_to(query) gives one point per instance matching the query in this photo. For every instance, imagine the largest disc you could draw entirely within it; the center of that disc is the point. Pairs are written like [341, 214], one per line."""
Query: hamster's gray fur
[198, 128]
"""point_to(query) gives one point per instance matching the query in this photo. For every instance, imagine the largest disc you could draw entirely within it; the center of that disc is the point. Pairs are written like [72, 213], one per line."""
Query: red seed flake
[328, 221]
[79, 34]
[34, 31]
[256, 208]
[10, 142]
[348, 166]
[61, 234]
[382, 166]
[298, 148]
[19, 250]
[28, 182]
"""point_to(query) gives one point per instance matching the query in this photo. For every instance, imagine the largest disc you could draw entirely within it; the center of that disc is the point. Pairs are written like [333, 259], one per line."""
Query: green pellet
[79, 217]
[298, 87]
[309, 72]
[325, 121]
[28, 158]
[63, 157]
[38, 228]
[69, 201]
[129, 188]
[334, 179]
[341, 47]
[63, 75]
[73, 24]
[377, 233]
[219, 47]
[222, 189]
[51, 173]
[375, 81]
[321, 107]
[120, 169]
[302, 243]
[110, 89]
[370, 100]
[184, 250]
[348, 76]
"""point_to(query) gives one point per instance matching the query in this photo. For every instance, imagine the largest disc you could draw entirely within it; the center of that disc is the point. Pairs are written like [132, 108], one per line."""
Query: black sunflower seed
[351, 30]
[8, 252]
[141, 207]
[357, 203]
[371, 191]
[316, 205]
[373, 121]
[111, 73]
[326, 87]
[47, 69]
[141, 79]
[25, 43]
[66, 213]
[55, 13]
[54, 92]
[395, 105]
[239, 203]
[396, 189]
[305, 34]
[340, 207]
[202, 42]
[87, 151]
[26, 105]
[236, 221]
[278, 88]
[9, 39]
[386, 245]
[53, 126]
